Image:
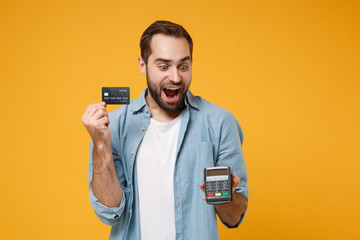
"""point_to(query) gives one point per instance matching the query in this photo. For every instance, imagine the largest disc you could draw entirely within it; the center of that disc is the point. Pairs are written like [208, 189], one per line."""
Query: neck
[159, 114]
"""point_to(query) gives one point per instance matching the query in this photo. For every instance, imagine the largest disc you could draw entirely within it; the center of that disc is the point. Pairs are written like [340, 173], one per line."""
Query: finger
[86, 113]
[100, 113]
[107, 123]
[91, 109]
[235, 180]
[104, 121]
[97, 109]
[202, 187]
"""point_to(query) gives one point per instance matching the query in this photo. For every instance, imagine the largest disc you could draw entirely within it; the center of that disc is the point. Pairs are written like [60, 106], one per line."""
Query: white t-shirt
[155, 163]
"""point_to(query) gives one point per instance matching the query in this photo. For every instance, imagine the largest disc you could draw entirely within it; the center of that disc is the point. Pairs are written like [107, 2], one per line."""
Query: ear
[142, 65]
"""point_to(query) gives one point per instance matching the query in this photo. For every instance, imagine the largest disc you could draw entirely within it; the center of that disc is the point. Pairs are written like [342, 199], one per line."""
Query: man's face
[168, 71]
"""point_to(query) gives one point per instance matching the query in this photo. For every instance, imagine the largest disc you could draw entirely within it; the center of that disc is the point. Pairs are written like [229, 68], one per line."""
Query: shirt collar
[139, 103]
[190, 100]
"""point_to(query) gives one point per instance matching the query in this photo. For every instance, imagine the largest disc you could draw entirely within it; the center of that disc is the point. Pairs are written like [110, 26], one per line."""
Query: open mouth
[172, 93]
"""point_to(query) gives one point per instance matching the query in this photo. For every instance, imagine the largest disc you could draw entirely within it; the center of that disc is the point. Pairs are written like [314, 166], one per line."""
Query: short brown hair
[162, 27]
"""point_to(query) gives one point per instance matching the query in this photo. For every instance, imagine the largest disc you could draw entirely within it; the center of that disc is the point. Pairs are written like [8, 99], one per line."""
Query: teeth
[173, 89]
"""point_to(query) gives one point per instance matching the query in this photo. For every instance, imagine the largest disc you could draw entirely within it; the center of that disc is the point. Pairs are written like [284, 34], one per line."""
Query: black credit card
[116, 95]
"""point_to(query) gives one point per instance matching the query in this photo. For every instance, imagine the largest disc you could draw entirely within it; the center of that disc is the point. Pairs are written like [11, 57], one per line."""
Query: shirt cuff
[109, 216]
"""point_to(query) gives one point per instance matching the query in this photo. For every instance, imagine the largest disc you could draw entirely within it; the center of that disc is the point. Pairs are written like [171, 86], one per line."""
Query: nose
[175, 75]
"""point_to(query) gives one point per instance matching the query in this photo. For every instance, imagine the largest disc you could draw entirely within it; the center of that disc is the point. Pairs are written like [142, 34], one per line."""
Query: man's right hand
[96, 121]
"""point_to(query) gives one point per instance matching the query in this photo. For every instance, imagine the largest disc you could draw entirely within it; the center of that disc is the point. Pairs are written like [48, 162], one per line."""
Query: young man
[147, 158]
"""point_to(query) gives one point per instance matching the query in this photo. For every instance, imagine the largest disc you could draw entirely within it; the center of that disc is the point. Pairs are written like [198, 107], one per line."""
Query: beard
[155, 92]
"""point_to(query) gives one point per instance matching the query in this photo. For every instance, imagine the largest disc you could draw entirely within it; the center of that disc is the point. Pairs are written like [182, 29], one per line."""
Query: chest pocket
[203, 151]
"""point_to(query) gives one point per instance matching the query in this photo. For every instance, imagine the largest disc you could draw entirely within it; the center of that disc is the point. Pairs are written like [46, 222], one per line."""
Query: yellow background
[288, 70]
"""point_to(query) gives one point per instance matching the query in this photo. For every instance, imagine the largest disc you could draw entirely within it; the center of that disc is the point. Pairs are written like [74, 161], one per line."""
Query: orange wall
[288, 70]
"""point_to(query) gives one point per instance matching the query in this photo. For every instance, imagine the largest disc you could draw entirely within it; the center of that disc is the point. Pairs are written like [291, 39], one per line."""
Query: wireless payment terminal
[218, 185]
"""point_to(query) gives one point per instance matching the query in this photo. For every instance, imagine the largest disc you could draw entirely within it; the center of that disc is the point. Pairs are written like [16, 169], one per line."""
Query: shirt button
[132, 153]
[142, 129]
[130, 211]
[146, 110]
[129, 182]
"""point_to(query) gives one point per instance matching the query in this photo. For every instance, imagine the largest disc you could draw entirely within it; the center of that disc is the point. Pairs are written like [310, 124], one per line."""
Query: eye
[163, 67]
[183, 67]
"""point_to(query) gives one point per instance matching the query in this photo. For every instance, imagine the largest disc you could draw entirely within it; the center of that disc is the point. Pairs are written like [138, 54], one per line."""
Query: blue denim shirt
[209, 136]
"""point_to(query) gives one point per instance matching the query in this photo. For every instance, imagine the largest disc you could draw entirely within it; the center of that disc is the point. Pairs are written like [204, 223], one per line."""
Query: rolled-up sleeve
[109, 216]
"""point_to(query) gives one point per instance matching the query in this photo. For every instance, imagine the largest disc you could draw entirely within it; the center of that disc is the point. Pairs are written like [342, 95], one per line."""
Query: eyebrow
[168, 60]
